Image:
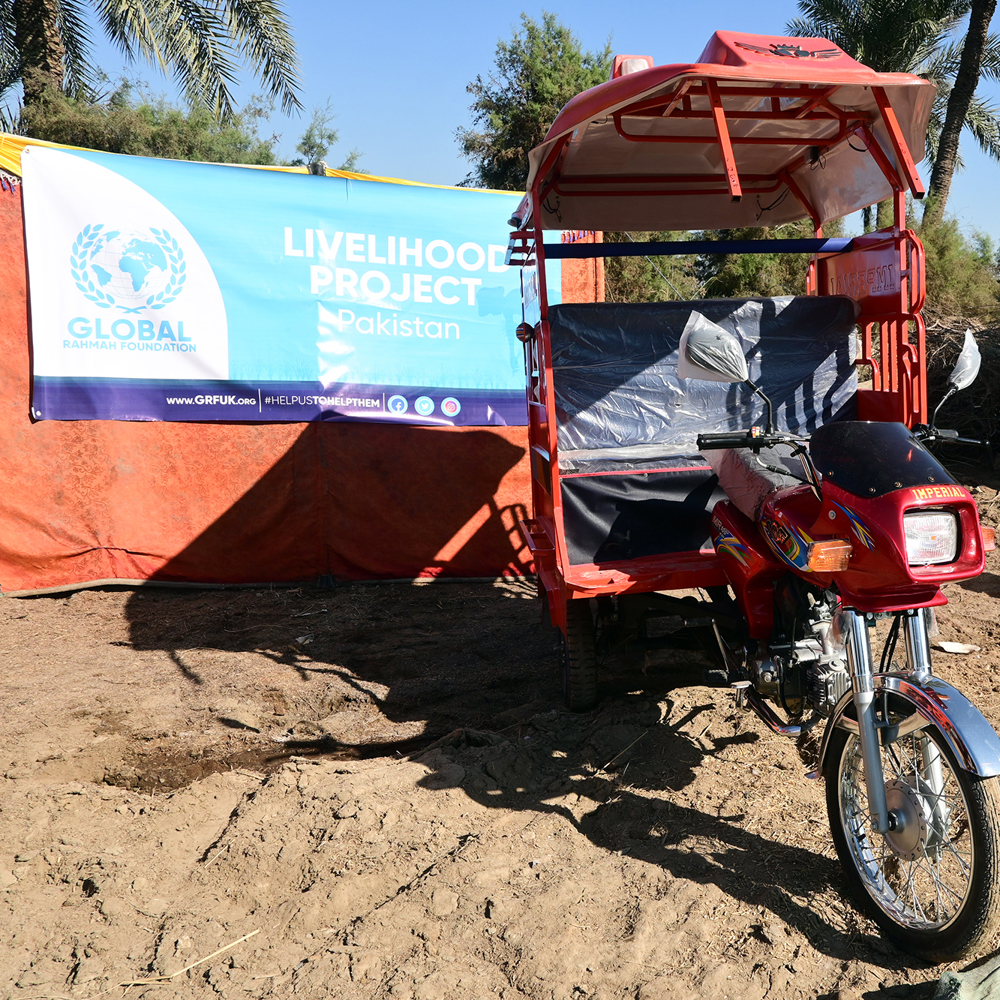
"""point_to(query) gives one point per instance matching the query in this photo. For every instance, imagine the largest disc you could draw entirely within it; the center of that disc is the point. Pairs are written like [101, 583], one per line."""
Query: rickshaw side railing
[884, 273]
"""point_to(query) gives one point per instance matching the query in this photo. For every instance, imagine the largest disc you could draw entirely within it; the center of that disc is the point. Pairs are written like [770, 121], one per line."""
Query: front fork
[859, 658]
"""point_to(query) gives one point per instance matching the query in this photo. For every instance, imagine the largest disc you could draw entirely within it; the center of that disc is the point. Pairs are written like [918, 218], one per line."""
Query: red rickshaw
[662, 439]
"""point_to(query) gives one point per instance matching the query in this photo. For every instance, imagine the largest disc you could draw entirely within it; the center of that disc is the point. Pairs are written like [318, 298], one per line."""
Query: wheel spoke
[927, 884]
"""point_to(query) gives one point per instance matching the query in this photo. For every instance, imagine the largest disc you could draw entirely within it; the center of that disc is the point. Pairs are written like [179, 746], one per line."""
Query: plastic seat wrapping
[618, 395]
[633, 484]
[746, 479]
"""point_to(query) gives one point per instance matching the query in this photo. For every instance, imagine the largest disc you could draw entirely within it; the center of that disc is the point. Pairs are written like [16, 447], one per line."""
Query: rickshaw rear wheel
[579, 657]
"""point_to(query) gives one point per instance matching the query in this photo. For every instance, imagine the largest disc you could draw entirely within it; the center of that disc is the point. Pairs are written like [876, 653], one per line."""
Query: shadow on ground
[464, 678]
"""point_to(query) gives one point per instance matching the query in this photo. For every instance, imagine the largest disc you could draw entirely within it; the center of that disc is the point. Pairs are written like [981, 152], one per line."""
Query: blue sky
[395, 74]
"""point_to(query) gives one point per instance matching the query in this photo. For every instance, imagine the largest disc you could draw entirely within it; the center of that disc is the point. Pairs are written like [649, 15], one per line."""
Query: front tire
[932, 884]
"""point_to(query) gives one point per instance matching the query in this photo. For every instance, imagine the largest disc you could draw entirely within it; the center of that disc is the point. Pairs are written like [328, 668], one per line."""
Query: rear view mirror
[710, 353]
[963, 374]
[967, 366]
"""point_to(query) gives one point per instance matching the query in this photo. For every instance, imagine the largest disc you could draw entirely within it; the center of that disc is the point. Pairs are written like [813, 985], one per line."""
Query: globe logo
[129, 269]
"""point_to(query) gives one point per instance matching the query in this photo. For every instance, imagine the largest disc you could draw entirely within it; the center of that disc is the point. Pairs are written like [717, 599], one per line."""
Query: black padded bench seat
[633, 483]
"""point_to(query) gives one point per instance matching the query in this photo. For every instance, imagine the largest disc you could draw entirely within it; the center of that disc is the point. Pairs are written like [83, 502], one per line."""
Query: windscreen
[870, 459]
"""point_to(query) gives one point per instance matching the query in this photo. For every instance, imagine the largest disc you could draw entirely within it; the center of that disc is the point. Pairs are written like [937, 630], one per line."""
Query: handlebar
[736, 439]
[755, 441]
[742, 439]
[931, 434]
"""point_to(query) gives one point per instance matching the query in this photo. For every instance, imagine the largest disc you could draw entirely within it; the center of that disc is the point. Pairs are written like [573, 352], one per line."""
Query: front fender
[973, 740]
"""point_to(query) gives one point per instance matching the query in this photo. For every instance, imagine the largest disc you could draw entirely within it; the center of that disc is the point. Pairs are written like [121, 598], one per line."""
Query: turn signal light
[989, 539]
[830, 557]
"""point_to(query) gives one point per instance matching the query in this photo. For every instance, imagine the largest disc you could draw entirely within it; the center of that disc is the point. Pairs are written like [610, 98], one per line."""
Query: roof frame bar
[803, 200]
[737, 140]
[903, 157]
[865, 134]
[722, 132]
[676, 99]
[676, 248]
[645, 193]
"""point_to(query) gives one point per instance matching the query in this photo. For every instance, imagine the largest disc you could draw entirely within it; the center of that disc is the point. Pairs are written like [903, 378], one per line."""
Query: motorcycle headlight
[931, 538]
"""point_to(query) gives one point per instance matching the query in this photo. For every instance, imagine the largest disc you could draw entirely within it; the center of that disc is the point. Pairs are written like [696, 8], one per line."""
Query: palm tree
[917, 36]
[47, 44]
[962, 107]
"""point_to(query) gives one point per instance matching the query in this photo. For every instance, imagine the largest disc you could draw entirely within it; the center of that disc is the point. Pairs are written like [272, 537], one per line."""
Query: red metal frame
[883, 272]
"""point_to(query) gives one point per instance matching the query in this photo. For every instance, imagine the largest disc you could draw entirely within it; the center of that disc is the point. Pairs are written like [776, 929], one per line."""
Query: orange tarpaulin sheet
[242, 503]
[232, 503]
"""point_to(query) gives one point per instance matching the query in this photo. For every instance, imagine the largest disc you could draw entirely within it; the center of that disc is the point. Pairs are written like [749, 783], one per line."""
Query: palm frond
[200, 51]
[943, 64]
[983, 121]
[888, 35]
[934, 126]
[75, 33]
[991, 58]
[264, 37]
[201, 42]
[8, 51]
[130, 27]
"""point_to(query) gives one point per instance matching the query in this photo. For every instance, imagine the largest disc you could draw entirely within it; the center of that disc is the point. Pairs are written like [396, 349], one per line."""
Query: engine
[810, 667]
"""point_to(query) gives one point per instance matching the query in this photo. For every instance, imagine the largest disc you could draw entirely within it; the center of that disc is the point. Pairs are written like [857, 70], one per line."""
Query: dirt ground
[379, 786]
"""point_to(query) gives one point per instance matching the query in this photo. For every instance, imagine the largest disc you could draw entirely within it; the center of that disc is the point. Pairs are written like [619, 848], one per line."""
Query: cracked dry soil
[380, 781]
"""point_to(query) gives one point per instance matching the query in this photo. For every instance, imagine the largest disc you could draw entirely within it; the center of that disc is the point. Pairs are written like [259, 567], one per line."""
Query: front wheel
[932, 884]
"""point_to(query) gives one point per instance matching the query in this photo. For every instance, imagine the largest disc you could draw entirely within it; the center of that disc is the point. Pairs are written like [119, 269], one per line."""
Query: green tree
[129, 122]
[45, 45]
[765, 274]
[317, 140]
[649, 279]
[918, 36]
[538, 71]
[961, 277]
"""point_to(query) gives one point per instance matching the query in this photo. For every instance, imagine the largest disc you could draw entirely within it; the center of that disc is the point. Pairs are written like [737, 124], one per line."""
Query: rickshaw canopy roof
[761, 131]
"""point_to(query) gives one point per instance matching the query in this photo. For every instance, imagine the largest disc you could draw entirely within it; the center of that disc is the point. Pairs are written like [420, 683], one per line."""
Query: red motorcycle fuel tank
[755, 555]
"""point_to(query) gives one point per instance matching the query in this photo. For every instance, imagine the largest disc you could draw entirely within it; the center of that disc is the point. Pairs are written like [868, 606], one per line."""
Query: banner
[165, 290]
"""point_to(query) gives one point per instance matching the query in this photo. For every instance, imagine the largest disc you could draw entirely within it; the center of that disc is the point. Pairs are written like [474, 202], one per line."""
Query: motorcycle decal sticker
[726, 542]
[790, 544]
[857, 525]
[939, 493]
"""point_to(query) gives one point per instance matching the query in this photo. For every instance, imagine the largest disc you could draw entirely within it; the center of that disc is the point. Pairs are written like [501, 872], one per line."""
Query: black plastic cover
[619, 397]
[615, 518]
[870, 459]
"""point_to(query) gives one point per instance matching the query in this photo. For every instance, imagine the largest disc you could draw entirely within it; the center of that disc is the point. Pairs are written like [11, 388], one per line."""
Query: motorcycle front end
[910, 764]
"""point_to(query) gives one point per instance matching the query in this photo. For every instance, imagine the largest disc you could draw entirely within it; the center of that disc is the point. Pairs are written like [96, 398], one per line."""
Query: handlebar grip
[708, 442]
